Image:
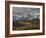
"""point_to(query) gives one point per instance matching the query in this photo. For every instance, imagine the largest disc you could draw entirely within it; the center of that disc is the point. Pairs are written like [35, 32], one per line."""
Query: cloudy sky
[24, 11]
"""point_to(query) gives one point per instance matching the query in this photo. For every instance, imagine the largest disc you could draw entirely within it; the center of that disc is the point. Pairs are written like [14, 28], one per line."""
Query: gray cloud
[24, 10]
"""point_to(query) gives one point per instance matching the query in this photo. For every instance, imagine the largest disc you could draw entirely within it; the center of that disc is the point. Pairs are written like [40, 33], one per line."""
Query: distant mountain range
[23, 18]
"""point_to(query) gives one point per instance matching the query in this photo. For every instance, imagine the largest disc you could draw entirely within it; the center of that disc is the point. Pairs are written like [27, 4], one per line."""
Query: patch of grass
[19, 25]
